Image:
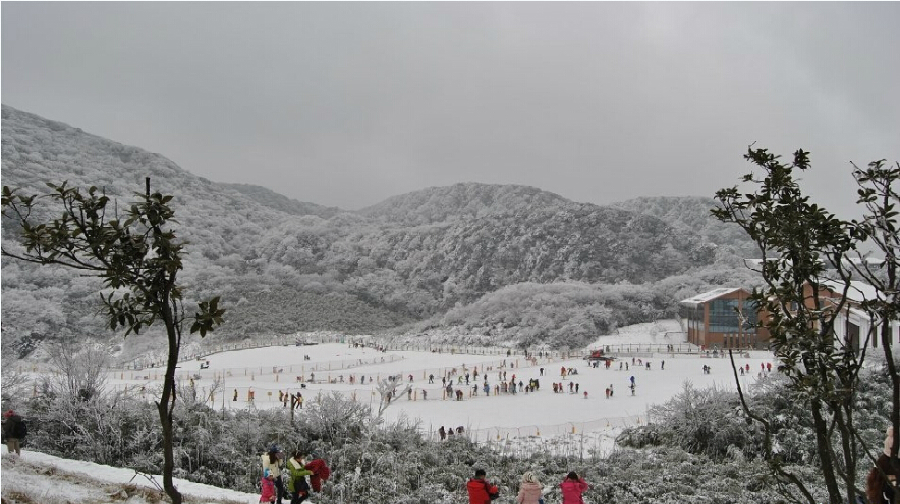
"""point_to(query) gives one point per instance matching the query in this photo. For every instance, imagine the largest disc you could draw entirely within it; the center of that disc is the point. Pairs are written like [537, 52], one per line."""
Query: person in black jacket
[14, 431]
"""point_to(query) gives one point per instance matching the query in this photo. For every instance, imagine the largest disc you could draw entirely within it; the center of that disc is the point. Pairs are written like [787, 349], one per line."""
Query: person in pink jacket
[530, 491]
[268, 487]
[572, 488]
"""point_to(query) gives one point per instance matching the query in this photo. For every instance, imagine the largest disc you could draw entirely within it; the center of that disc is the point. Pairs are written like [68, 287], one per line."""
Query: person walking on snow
[572, 488]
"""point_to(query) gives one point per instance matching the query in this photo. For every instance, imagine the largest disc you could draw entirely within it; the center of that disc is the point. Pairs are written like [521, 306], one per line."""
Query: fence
[575, 440]
[199, 350]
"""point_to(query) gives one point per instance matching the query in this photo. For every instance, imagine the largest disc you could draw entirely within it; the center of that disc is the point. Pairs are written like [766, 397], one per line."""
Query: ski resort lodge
[722, 318]
[725, 318]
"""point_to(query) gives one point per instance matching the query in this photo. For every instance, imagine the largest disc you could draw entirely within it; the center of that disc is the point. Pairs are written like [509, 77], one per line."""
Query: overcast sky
[345, 104]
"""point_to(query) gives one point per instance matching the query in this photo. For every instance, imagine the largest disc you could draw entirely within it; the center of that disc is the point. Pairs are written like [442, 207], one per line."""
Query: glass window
[725, 318]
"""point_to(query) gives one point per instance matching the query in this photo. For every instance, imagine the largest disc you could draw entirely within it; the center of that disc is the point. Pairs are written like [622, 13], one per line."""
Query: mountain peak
[467, 200]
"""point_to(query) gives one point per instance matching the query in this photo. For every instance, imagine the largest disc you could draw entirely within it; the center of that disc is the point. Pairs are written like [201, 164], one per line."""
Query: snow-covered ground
[47, 479]
[563, 421]
[269, 372]
[554, 421]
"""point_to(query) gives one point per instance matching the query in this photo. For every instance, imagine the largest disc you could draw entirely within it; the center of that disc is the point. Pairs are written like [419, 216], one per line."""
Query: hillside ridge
[281, 265]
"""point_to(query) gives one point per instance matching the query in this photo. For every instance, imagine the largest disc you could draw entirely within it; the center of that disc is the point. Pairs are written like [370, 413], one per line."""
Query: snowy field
[266, 373]
[512, 422]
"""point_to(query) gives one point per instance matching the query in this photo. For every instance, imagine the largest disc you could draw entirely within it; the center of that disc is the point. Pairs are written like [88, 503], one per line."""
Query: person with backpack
[297, 473]
[530, 491]
[14, 430]
[480, 490]
[271, 462]
[572, 488]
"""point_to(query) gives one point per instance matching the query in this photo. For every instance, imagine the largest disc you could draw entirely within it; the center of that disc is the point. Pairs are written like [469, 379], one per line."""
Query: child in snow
[268, 487]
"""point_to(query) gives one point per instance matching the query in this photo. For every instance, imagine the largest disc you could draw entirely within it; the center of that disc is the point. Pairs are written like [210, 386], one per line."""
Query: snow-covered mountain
[281, 265]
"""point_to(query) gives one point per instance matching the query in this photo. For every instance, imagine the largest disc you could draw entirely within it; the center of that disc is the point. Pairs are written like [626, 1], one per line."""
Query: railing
[199, 351]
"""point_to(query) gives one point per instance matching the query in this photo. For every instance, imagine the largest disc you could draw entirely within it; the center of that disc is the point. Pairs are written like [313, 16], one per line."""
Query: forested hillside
[282, 265]
[692, 214]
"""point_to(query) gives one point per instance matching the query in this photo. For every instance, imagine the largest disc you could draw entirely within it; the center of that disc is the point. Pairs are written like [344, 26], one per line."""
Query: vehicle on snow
[597, 355]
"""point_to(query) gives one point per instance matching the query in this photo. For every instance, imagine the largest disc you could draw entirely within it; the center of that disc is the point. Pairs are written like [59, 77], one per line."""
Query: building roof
[858, 291]
[709, 296]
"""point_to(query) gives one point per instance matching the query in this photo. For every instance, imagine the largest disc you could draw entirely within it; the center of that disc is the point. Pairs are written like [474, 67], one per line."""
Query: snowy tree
[805, 251]
[81, 369]
[388, 389]
[138, 257]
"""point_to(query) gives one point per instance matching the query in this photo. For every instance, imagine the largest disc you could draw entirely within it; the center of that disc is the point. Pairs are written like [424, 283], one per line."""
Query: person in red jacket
[479, 489]
[320, 472]
[572, 488]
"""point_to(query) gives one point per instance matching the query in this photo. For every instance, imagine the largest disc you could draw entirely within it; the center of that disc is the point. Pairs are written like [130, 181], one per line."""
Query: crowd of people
[481, 491]
[286, 479]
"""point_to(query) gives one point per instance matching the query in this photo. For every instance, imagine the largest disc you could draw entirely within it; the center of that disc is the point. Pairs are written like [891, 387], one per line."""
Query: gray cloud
[348, 103]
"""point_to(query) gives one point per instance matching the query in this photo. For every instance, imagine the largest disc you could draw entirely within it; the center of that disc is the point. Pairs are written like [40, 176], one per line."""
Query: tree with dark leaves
[137, 256]
[809, 258]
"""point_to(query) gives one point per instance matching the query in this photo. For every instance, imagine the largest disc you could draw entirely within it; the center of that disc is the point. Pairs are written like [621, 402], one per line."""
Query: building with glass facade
[722, 318]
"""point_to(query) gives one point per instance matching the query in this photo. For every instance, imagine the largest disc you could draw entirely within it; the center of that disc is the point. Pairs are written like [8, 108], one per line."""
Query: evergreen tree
[138, 257]
[806, 251]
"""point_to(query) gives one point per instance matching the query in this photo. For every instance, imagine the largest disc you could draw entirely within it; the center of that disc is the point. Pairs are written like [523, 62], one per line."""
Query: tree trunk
[821, 425]
[165, 406]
